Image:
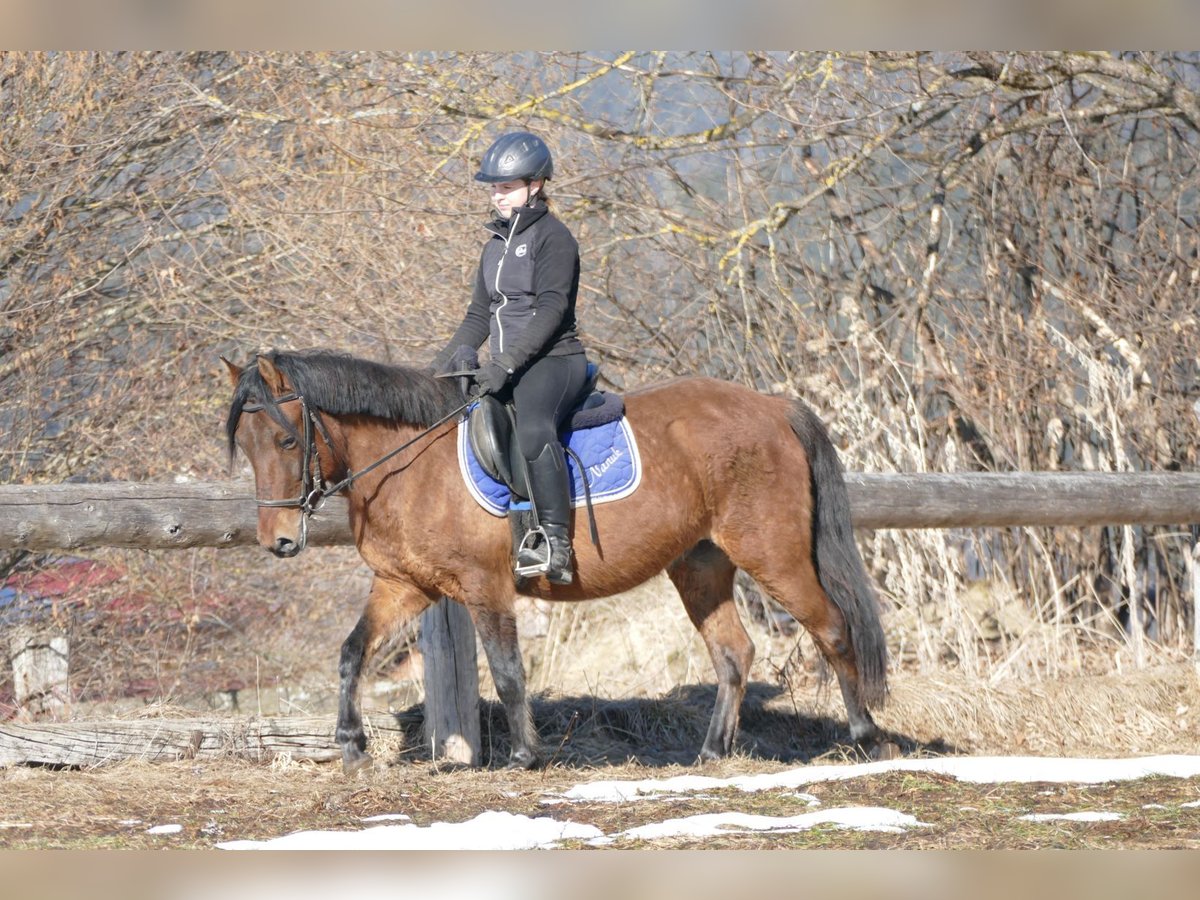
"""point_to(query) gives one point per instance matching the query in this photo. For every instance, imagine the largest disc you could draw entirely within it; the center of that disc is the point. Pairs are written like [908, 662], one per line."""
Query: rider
[524, 303]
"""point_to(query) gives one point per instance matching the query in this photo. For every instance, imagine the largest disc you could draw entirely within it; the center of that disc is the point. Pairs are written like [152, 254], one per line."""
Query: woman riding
[524, 305]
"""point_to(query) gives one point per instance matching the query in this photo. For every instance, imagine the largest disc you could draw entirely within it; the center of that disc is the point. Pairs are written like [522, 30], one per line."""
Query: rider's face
[509, 195]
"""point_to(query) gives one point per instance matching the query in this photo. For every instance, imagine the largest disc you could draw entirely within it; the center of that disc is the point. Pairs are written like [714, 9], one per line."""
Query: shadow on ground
[585, 732]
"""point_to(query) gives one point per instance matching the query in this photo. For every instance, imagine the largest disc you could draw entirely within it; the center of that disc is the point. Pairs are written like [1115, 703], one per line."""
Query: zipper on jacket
[512, 229]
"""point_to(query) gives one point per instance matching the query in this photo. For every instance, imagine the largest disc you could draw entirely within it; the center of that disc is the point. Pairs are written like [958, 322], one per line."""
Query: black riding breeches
[543, 394]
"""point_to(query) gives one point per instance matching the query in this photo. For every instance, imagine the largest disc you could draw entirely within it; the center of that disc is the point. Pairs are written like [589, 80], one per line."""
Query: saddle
[491, 430]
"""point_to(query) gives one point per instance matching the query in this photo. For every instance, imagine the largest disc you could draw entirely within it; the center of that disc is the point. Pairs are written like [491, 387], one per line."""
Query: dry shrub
[1150, 711]
[207, 629]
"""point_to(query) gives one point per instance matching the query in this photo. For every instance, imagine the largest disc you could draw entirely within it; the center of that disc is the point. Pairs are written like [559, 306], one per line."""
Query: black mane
[340, 385]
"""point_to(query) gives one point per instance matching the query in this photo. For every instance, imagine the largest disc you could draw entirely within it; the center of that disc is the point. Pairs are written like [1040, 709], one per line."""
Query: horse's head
[289, 450]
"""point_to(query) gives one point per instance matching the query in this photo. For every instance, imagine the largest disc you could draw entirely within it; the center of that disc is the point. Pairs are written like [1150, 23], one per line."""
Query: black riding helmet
[513, 156]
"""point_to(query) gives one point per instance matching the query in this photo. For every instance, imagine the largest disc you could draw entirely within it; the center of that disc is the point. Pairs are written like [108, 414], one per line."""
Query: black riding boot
[548, 482]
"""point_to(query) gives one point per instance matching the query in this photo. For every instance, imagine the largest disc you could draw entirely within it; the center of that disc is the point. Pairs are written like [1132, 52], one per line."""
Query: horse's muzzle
[285, 547]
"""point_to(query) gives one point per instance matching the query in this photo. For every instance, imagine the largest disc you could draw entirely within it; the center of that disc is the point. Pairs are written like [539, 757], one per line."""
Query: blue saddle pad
[611, 464]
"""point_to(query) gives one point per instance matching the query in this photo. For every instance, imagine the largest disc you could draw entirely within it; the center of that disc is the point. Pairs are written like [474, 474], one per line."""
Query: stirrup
[528, 546]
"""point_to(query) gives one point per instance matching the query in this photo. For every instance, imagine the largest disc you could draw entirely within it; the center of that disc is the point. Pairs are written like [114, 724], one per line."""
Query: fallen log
[97, 743]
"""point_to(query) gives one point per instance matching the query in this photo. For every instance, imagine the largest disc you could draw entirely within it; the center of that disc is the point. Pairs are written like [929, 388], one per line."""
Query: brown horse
[731, 478]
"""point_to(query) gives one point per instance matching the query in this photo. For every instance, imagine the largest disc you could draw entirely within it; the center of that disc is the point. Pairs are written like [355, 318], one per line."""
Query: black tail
[839, 565]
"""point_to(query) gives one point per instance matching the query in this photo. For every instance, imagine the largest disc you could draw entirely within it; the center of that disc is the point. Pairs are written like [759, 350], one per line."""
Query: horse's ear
[271, 376]
[235, 371]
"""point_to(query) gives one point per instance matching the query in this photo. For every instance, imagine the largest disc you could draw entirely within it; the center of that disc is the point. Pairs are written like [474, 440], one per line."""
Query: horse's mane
[341, 385]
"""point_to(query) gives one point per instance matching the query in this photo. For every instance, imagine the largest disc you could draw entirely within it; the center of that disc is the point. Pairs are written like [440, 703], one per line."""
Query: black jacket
[525, 290]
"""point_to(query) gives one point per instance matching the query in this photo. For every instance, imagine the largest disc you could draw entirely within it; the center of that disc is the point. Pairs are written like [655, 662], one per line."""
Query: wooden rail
[222, 514]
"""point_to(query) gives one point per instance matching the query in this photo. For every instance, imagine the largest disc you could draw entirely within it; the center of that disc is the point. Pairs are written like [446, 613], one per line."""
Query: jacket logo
[522, 249]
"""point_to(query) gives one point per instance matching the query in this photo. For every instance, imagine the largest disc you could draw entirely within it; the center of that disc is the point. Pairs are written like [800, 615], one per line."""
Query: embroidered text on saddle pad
[610, 457]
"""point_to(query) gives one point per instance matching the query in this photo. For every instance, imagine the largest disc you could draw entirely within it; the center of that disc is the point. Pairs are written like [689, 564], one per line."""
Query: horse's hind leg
[799, 591]
[832, 637]
[390, 605]
[498, 634]
[704, 578]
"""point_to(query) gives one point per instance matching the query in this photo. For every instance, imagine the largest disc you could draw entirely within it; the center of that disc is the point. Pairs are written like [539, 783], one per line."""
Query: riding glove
[491, 378]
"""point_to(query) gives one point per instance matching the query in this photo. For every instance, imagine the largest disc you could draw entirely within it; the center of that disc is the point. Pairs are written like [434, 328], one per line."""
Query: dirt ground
[587, 739]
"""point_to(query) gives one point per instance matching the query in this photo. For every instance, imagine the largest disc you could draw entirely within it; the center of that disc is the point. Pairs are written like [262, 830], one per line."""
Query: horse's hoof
[884, 750]
[352, 764]
[523, 761]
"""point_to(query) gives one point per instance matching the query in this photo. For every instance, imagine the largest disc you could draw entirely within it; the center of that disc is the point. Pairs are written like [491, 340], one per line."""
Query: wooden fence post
[40, 669]
[1196, 606]
[447, 645]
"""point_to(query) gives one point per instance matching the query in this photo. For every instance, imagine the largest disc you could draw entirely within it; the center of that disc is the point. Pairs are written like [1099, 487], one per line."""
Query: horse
[732, 478]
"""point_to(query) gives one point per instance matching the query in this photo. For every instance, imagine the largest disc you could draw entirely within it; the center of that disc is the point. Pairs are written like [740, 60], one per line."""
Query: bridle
[314, 490]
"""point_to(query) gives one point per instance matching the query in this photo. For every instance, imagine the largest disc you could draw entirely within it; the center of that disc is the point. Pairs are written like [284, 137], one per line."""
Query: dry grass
[1154, 711]
[640, 647]
[589, 739]
[634, 664]
[1150, 712]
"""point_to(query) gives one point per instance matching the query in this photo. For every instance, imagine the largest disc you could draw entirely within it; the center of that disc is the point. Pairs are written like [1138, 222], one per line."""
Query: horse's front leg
[390, 605]
[498, 634]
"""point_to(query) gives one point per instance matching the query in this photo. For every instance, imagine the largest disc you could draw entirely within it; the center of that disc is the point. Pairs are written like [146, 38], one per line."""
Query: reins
[313, 490]
[350, 479]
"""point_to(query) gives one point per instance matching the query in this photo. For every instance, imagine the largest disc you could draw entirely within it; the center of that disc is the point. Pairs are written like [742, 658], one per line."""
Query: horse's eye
[287, 442]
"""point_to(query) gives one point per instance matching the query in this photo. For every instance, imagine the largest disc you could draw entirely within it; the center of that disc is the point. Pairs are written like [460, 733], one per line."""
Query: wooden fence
[162, 516]
[221, 514]
[155, 516]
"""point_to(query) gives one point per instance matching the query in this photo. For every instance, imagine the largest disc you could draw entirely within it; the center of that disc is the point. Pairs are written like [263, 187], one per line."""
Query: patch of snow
[974, 769]
[505, 831]
[387, 817]
[487, 831]
[165, 829]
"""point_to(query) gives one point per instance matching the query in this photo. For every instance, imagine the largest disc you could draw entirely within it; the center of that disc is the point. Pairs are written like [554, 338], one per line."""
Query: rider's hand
[490, 378]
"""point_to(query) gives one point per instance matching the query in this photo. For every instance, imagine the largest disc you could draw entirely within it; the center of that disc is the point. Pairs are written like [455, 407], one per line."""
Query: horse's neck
[366, 440]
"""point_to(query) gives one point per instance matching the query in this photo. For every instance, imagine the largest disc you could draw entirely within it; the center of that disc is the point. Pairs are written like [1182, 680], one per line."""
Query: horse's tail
[838, 563]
